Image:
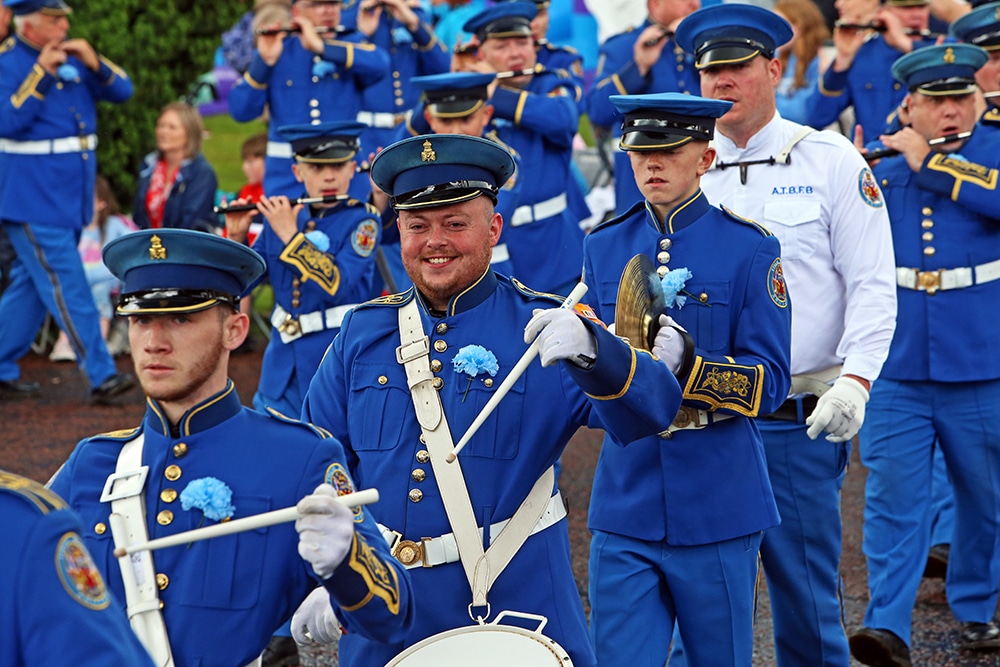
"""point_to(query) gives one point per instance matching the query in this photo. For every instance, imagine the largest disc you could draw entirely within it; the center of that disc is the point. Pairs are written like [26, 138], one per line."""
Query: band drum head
[485, 646]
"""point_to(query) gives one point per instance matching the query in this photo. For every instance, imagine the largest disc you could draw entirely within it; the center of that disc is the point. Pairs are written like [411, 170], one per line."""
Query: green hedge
[164, 45]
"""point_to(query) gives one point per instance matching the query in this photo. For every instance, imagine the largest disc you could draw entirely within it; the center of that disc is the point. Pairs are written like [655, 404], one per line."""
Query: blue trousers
[897, 447]
[639, 590]
[942, 502]
[48, 277]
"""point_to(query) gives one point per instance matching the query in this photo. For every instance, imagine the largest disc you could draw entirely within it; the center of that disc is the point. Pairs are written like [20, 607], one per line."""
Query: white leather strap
[50, 146]
[380, 119]
[947, 279]
[292, 328]
[281, 149]
[784, 157]
[541, 211]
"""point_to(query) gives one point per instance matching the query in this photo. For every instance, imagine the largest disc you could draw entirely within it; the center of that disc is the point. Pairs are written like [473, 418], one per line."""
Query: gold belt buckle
[929, 281]
[290, 327]
[408, 552]
[686, 416]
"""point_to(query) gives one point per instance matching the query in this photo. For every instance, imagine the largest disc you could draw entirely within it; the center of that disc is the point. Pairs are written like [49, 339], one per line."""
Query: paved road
[39, 434]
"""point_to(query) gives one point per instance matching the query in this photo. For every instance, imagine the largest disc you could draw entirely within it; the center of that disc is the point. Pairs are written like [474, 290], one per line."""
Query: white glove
[668, 346]
[326, 530]
[561, 335]
[840, 411]
[315, 622]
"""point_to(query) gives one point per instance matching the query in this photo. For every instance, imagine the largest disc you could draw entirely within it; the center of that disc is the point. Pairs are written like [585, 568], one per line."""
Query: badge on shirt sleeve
[364, 238]
[869, 189]
[776, 287]
[338, 477]
[79, 574]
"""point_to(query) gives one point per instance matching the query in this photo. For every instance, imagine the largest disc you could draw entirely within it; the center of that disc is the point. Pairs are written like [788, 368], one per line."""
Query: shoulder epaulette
[398, 299]
[991, 117]
[7, 44]
[32, 492]
[764, 231]
[121, 434]
[371, 208]
[618, 218]
[528, 292]
[321, 432]
[495, 138]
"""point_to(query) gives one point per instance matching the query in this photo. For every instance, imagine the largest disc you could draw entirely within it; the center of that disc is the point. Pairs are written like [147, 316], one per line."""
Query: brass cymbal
[640, 303]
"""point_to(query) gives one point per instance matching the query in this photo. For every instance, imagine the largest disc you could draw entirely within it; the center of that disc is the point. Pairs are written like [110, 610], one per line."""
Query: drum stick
[516, 372]
[364, 497]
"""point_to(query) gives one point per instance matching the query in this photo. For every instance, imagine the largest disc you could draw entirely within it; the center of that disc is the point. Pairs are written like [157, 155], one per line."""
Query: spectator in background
[177, 185]
[801, 58]
[105, 226]
[452, 15]
[253, 151]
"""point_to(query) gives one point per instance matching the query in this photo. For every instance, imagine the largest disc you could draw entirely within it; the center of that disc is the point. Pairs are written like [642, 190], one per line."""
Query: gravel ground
[40, 433]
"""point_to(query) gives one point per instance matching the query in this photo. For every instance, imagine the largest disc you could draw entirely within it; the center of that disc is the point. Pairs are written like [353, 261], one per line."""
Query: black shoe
[979, 637]
[281, 652]
[879, 648]
[118, 383]
[18, 389]
[937, 561]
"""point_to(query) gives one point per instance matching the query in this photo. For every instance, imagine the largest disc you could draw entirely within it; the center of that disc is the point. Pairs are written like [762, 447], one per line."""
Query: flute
[990, 95]
[294, 28]
[880, 153]
[666, 34]
[240, 208]
[880, 27]
[518, 72]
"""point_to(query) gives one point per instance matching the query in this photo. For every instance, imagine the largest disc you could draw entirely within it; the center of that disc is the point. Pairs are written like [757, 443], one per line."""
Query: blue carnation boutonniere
[212, 496]
[473, 360]
[67, 72]
[672, 283]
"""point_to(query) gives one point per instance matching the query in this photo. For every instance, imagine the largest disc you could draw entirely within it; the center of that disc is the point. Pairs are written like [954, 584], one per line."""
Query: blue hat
[731, 33]
[180, 270]
[454, 94]
[53, 7]
[662, 121]
[324, 143]
[441, 169]
[508, 19]
[980, 27]
[946, 69]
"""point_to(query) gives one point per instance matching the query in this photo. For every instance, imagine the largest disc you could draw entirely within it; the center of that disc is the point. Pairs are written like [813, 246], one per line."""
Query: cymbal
[640, 303]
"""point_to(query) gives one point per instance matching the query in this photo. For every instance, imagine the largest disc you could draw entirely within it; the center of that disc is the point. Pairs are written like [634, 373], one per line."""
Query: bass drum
[488, 645]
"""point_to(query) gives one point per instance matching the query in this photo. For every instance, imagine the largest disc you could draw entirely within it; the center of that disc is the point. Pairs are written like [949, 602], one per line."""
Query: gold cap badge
[428, 154]
[156, 249]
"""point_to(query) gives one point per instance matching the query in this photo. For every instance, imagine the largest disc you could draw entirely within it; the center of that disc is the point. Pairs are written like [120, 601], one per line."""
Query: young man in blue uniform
[200, 457]
[940, 386]
[678, 518]
[444, 188]
[56, 608]
[307, 78]
[816, 194]
[644, 59]
[320, 259]
[49, 87]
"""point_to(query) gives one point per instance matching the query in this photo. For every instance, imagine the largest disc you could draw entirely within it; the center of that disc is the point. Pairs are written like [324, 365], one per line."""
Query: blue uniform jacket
[617, 74]
[708, 485]
[307, 278]
[55, 608]
[945, 217]
[361, 393]
[539, 122]
[224, 597]
[303, 87]
[55, 189]
[191, 200]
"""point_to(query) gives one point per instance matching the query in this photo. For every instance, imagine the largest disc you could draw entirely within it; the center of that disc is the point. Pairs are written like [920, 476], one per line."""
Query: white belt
[541, 211]
[383, 119]
[49, 146]
[431, 551]
[279, 149]
[293, 328]
[500, 253]
[945, 279]
[688, 419]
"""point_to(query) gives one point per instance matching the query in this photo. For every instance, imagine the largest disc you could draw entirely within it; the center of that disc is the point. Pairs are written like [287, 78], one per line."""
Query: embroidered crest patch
[870, 192]
[338, 477]
[365, 237]
[79, 574]
[776, 287]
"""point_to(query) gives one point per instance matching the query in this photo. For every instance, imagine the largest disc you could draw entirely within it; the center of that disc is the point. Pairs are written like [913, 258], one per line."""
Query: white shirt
[836, 244]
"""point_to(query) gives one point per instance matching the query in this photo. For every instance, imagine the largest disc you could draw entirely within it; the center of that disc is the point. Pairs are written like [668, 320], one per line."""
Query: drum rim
[560, 654]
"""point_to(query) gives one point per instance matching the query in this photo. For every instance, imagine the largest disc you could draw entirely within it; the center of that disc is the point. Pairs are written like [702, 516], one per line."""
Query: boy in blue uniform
[470, 325]
[678, 520]
[55, 608]
[49, 87]
[200, 457]
[307, 78]
[940, 386]
[320, 258]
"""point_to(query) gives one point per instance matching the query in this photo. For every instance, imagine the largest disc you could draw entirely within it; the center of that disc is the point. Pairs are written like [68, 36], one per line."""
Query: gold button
[703, 297]
[442, 328]
[488, 382]
[929, 250]
[661, 271]
[173, 473]
[437, 383]
[663, 257]
[868, 86]
[680, 68]
[665, 244]
[927, 210]
[180, 450]
[422, 440]
[162, 581]
[885, 182]
[436, 365]
[895, 86]
[295, 303]
[927, 236]
[161, 604]
[398, 103]
[423, 456]
[416, 495]
[418, 475]
[395, 75]
[165, 518]
[382, 379]
[926, 224]
[440, 346]
[168, 495]
[100, 529]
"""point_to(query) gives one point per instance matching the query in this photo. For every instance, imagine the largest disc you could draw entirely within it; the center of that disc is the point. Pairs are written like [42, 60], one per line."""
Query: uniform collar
[759, 143]
[201, 417]
[682, 216]
[469, 298]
